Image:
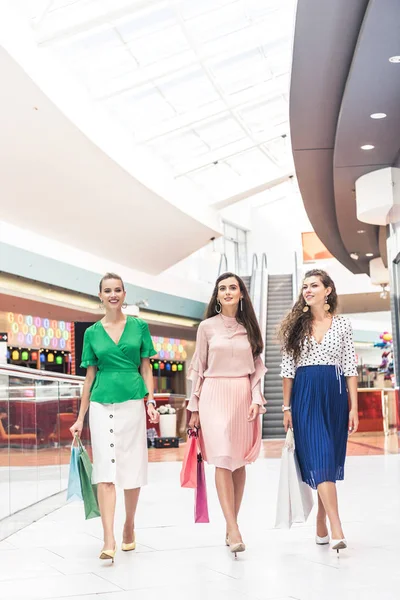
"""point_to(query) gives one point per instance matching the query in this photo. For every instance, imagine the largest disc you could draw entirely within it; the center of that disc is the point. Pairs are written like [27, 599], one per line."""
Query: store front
[37, 343]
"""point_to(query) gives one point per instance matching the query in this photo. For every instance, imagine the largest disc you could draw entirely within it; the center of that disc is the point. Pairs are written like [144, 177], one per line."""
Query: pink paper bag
[189, 466]
[201, 505]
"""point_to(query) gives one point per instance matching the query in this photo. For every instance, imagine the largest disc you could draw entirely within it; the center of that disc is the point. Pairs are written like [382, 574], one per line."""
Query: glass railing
[37, 408]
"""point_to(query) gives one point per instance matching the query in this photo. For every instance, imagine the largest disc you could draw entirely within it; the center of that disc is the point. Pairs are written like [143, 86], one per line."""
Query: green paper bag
[89, 491]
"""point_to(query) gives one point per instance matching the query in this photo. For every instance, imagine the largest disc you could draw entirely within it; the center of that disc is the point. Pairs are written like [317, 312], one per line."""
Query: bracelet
[151, 402]
[285, 408]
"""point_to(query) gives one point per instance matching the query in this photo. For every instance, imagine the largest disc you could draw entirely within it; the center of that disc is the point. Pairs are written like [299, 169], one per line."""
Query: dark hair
[110, 276]
[297, 325]
[245, 317]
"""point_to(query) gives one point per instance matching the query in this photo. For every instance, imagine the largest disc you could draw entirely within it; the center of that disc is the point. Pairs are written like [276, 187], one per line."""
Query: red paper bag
[189, 466]
[200, 504]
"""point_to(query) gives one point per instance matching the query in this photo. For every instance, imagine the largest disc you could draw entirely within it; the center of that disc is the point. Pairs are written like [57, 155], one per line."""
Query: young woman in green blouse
[113, 351]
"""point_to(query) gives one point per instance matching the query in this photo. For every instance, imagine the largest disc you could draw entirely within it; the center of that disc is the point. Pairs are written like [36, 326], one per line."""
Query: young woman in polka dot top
[319, 374]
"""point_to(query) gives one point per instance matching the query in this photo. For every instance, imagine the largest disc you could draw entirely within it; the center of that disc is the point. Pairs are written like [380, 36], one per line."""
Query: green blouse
[117, 378]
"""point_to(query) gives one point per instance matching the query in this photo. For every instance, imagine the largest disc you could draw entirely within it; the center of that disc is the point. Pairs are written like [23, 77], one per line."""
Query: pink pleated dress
[226, 380]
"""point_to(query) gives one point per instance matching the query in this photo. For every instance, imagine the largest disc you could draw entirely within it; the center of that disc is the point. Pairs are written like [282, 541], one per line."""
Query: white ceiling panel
[203, 85]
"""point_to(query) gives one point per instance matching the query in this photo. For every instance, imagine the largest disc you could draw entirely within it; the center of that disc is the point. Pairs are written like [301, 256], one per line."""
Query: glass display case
[36, 410]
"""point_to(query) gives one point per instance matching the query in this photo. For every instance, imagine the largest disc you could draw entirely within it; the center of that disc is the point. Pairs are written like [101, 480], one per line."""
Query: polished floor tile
[57, 556]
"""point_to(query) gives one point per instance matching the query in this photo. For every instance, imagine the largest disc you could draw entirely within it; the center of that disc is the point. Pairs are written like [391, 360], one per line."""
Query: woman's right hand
[77, 428]
[287, 420]
[194, 420]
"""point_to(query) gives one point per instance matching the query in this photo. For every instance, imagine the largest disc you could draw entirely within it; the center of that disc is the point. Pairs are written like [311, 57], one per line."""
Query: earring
[306, 308]
[124, 305]
[241, 304]
[101, 304]
[218, 307]
[327, 307]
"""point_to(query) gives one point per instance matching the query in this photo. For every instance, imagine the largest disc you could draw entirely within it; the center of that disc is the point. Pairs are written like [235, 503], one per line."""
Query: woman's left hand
[153, 414]
[353, 421]
[254, 411]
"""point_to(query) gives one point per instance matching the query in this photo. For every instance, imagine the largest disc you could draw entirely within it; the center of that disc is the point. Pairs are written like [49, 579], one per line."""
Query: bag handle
[193, 432]
[79, 442]
[289, 441]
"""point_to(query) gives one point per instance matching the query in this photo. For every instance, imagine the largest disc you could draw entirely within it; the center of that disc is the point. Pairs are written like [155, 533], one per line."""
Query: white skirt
[119, 443]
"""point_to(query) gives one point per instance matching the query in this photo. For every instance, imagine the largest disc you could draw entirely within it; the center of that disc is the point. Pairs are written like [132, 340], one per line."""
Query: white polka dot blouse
[336, 348]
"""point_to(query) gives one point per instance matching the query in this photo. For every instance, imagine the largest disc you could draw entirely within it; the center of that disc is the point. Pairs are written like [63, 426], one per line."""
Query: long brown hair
[246, 316]
[297, 325]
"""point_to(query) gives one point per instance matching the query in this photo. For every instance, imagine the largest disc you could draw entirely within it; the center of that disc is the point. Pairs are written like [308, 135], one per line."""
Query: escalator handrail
[223, 257]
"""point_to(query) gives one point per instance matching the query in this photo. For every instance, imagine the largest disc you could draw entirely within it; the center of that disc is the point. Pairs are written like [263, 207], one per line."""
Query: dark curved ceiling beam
[373, 86]
[326, 35]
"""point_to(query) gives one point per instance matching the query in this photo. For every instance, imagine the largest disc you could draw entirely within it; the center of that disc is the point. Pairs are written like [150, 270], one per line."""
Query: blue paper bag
[74, 481]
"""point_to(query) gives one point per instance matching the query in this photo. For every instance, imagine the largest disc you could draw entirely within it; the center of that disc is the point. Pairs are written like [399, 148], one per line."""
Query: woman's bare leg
[327, 493]
[131, 501]
[226, 496]
[107, 497]
[322, 529]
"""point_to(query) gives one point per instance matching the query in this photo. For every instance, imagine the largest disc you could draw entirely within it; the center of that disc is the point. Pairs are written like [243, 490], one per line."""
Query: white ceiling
[203, 84]
[57, 183]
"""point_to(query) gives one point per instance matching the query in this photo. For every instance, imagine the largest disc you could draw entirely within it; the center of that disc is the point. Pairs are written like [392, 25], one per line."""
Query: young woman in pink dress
[226, 400]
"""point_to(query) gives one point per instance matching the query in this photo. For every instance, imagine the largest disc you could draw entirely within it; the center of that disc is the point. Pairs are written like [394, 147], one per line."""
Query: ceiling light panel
[262, 117]
[223, 21]
[141, 108]
[188, 89]
[253, 163]
[217, 179]
[177, 147]
[145, 22]
[190, 9]
[163, 44]
[197, 83]
[241, 71]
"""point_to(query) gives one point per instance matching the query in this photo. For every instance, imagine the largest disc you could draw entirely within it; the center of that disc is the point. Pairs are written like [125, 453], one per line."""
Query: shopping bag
[189, 466]
[89, 491]
[301, 498]
[200, 504]
[74, 483]
[295, 500]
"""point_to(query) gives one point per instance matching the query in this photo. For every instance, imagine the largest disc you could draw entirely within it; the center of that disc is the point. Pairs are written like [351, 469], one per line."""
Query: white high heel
[339, 544]
[322, 541]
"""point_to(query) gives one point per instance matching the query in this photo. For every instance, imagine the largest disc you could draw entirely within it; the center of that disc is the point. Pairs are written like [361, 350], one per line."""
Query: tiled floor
[56, 557]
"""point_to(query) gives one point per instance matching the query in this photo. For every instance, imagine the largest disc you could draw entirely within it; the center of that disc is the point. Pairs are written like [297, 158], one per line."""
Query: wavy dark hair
[246, 317]
[297, 325]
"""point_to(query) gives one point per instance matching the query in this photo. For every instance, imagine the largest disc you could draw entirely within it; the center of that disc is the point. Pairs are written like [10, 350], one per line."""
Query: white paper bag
[295, 500]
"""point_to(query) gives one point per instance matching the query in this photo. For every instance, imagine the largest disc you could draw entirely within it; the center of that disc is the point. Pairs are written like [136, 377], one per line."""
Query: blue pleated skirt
[320, 414]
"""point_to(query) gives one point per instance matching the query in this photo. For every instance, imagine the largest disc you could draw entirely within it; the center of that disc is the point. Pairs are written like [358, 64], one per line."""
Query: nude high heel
[108, 554]
[237, 547]
[130, 546]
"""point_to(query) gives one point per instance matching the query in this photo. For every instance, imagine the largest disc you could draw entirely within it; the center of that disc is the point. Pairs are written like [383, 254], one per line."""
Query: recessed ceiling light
[361, 231]
[367, 147]
[354, 256]
[378, 115]
[394, 59]
[369, 254]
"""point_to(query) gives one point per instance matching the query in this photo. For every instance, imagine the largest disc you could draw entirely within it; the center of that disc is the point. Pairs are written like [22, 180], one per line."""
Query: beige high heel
[236, 547]
[129, 546]
[108, 554]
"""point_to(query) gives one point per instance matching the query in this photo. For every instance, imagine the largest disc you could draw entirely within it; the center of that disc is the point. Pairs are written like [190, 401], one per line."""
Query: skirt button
[112, 460]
